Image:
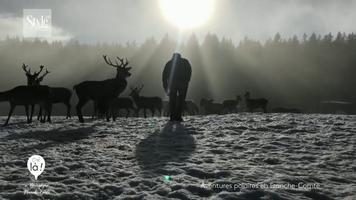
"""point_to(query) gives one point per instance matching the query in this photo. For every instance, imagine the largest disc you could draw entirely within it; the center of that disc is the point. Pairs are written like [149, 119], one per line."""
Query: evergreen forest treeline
[292, 72]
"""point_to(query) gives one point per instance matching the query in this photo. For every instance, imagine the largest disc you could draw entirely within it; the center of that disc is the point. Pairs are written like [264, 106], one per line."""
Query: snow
[237, 156]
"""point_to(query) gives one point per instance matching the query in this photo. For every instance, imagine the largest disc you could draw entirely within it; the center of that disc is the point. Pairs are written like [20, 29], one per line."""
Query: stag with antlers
[28, 96]
[32, 80]
[31, 77]
[38, 80]
[105, 91]
[151, 103]
[58, 94]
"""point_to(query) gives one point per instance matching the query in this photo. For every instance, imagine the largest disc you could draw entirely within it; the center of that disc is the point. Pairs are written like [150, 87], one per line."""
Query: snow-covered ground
[242, 156]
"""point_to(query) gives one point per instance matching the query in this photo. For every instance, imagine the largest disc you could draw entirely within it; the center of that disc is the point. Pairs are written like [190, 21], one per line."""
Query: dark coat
[181, 75]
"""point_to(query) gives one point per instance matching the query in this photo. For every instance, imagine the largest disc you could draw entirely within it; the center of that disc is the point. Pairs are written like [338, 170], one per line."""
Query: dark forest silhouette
[290, 73]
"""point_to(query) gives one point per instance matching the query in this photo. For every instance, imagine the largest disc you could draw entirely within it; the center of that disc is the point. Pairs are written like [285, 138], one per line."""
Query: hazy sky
[135, 20]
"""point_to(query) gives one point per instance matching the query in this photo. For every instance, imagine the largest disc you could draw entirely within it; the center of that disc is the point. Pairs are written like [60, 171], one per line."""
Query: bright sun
[187, 14]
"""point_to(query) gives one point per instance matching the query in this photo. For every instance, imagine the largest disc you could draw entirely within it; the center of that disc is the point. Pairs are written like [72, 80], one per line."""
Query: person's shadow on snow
[171, 146]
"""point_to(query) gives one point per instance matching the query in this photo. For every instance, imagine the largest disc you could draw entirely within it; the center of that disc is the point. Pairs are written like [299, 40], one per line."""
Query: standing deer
[58, 94]
[37, 82]
[32, 81]
[230, 106]
[151, 103]
[121, 103]
[210, 107]
[165, 108]
[105, 91]
[252, 104]
[191, 108]
[28, 96]
[95, 111]
[99, 109]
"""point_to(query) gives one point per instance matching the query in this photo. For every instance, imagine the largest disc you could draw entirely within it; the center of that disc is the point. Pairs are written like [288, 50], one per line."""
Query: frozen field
[243, 156]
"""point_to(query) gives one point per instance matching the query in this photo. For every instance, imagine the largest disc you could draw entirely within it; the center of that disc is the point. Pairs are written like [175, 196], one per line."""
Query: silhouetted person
[176, 76]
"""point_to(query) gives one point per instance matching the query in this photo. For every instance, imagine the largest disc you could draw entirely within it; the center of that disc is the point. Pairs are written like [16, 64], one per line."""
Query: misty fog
[290, 72]
[92, 21]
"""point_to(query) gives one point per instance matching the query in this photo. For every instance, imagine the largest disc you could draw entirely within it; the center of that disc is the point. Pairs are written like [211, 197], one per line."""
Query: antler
[140, 88]
[38, 73]
[40, 79]
[47, 72]
[24, 67]
[108, 61]
[123, 64]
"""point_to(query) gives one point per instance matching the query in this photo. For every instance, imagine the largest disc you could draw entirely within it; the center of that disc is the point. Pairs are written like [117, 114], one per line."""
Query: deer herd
[105, 95]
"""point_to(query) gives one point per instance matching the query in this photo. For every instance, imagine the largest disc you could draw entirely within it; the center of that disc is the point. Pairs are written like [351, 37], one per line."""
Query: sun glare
[187, 14]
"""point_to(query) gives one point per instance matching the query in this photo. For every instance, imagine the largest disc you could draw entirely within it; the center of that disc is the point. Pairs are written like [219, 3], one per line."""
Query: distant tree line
[293, 72]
